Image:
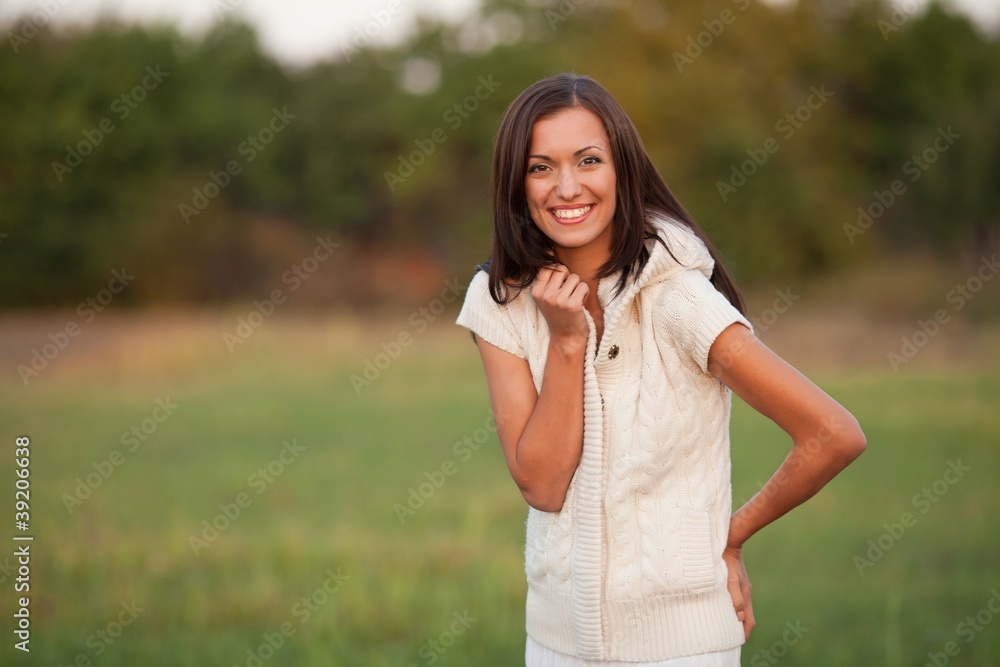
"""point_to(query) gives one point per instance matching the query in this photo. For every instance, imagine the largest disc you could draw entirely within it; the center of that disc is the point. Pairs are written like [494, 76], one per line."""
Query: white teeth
[569, 214]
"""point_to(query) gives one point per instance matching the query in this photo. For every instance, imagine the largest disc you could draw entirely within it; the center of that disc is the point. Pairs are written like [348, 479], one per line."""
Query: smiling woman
[611, 336]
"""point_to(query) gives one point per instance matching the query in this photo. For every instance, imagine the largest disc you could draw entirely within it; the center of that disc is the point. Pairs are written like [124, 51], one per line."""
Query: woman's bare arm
[541, 433]
[825, 439]
[825, 436]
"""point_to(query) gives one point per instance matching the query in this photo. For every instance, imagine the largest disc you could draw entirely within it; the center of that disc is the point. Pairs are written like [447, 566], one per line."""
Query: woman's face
[570, 181]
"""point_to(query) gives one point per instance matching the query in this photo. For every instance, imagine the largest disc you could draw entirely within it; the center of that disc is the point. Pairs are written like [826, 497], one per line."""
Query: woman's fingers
[557, 286]
[580, 292]
[560, 296]
[738, 583]
[557, 277]
[749, 621]
[563, 294]
[736, 592]
[548, 278]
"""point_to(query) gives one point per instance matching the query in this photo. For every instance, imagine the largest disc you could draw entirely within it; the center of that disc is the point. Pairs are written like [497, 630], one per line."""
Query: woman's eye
[591, 159]
[536, 168]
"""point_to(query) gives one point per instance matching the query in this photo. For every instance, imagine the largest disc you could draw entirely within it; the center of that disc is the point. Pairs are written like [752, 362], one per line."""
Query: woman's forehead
[569, 129]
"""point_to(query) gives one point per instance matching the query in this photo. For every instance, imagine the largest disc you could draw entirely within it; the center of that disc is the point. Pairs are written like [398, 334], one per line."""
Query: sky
[299, 32]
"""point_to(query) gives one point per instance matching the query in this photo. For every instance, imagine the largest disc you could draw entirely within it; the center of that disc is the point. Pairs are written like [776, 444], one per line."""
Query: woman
[611, 336]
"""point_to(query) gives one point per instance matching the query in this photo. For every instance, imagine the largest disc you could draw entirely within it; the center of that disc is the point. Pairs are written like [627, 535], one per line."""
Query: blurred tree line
[804, 138]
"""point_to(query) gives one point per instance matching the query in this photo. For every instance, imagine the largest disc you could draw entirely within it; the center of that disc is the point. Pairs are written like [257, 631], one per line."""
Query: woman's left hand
[739, 588]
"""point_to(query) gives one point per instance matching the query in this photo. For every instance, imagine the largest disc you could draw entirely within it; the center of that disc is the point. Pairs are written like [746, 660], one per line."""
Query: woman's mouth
[571, 216]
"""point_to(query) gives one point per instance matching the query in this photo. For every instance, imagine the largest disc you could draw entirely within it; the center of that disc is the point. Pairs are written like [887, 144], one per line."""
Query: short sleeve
[487, 319]
[691, 313]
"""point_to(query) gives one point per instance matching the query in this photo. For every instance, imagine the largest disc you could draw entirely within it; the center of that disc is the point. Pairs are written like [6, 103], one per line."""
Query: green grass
[332, 508]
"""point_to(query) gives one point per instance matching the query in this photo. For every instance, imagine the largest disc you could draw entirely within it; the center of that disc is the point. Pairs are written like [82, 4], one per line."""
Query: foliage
[708, 84]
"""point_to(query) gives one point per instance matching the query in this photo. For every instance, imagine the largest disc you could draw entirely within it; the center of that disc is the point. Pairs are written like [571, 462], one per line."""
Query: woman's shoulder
[499, 324]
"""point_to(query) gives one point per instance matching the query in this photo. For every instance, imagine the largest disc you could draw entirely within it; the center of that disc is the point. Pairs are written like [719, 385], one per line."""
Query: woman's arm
[825, 436]
[825, 439]
[541, 433]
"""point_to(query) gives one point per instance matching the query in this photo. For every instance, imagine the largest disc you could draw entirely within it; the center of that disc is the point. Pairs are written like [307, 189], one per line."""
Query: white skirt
[536, 655]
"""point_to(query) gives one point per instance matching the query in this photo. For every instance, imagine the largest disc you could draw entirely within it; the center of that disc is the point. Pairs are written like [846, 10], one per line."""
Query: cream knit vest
[631, 568]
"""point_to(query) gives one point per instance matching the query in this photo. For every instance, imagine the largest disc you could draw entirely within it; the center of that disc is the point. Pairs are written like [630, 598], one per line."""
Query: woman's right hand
[541, 429]
[560, 297]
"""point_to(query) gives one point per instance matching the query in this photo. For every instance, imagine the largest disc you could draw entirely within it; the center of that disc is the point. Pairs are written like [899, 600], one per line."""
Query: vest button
[613, 352]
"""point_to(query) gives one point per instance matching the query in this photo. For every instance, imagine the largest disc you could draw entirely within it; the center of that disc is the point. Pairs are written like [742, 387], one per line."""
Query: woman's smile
[571, 215]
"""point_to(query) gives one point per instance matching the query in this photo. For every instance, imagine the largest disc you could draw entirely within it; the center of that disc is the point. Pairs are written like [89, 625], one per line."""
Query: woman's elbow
[838, 441]
[544, 498]
[860, 444]
[852, 441]
[551, 504]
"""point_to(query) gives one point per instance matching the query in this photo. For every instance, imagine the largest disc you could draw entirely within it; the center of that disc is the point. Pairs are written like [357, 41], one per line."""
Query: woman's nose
[568, 186]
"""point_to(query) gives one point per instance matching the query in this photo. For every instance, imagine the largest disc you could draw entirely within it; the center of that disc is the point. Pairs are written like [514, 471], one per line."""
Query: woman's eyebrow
[575, 153]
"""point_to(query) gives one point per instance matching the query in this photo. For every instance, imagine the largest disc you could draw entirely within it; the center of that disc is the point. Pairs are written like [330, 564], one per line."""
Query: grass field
[322, 566]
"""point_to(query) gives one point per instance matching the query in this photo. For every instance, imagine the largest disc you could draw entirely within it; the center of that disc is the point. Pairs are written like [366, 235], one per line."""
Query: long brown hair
[520, 249]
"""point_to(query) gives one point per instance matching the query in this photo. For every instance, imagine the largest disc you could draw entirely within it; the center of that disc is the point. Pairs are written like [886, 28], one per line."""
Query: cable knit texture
[631, 568]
